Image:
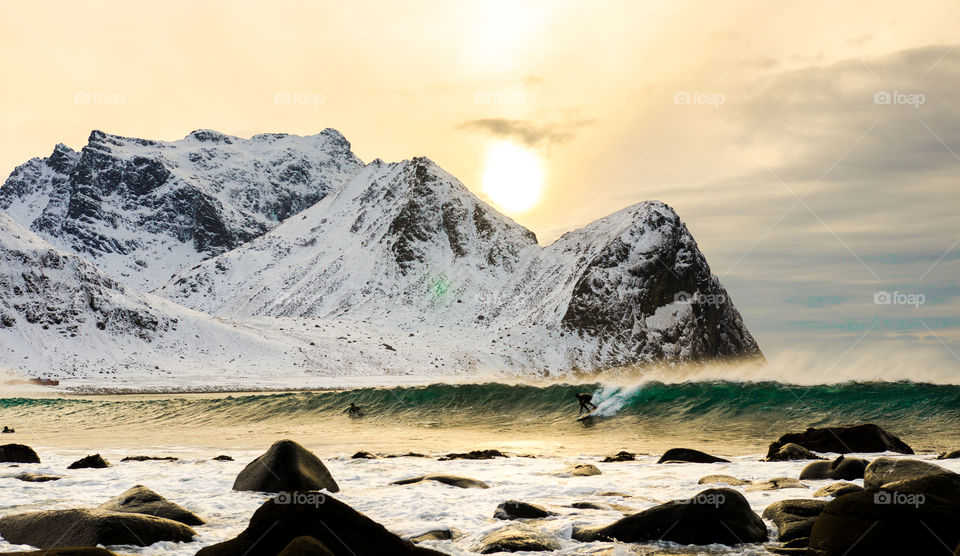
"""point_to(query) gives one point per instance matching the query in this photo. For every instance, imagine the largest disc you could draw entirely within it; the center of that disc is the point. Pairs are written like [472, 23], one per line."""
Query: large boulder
[518, 538]
[843, 440]
[837, 489]
[870, 523]
[451, 480]
[794, 518]
[286, 467]
[719, 515]
[305, 546]
[688, 455]
[515, 509]
[141, 500]
[90, 527]
[90, 462]
[888, 470]
[18, 453]
[791, 451]
[340, 528]
[840, 469]
[953, 454]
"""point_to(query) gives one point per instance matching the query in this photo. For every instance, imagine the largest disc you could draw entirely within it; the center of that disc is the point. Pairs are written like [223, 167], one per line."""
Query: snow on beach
[204, 487]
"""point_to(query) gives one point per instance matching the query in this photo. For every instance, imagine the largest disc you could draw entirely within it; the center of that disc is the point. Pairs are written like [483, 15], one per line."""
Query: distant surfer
[354, 410]
[586, 403]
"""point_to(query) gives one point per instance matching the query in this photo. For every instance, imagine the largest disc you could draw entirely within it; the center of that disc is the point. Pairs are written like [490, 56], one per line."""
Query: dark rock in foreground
[794, 518]
[791, 451]
[90, 527]
[452, 480]
[518, 538]
[90, 462]
[842, 469]
[436, 535]
[70, 551]
[340, 528]
[475, 454]
[18, 453]
[515, 509]
[843, 440]
[620, 456]
[888, 470]
[719, 515]
[688, 455]
[37, 478]
[286, 466]
[305, 546]
[141, 500]
[870, 523]
[949, 455]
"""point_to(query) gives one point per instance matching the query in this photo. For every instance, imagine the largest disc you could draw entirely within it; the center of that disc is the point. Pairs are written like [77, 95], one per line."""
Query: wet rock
[90, 527]
[722, 479]
[580, 470]
[515, 509]
[223, 458]
[949, 455]
[475, 454]
[837, 489]
[286, 466]
[518, 538]
[889, 470]
[719, 515]
[150, 458]
[842, 468]
[794, 518]
[791, 451]
[620, 456]
[70, 551]
[90, 462]
[343, 530]
[867, 523]
[777, 483]
[363, 455]
[437, 535]
[18, 453]
[37, 478]
[305, 546]
[452, 480]
[688, 455]
[843, 440]
[141, 500]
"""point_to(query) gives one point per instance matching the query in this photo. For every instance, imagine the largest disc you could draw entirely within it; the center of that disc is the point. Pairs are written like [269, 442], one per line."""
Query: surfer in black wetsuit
[586, 403]
[354, 410]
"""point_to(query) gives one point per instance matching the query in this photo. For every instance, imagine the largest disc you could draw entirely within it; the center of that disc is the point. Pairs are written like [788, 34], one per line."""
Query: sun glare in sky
[513, 177]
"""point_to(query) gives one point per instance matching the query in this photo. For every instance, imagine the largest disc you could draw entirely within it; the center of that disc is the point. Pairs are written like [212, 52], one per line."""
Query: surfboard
[588, 415]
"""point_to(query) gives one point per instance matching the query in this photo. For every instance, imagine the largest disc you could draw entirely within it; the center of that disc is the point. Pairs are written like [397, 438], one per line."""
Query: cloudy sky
[813, 150]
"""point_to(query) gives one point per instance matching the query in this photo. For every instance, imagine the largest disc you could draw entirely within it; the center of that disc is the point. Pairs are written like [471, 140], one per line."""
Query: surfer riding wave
[586, 403]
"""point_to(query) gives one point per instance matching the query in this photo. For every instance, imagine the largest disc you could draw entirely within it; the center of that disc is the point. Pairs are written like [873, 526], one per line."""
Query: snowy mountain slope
[142, 210]
[406, 246]
[61, 317]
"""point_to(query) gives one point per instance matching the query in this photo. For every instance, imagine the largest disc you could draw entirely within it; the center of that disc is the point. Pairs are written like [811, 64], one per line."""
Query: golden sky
[780, 102]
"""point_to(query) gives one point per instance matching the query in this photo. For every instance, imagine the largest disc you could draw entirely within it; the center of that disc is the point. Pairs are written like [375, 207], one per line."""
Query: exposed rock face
[630, 287]
[721, 516]
[341, 529]
[843, 440]
[142, 210]
[794, 518]
[518, 538]
[515, 509]
[94, 461]
[689, 455]
[141, 500]
[837, 489]
[286, 467]
[90, 527]
[842, 468]
[791, 451]
[580, 470]
[889, 470]
[18, 453]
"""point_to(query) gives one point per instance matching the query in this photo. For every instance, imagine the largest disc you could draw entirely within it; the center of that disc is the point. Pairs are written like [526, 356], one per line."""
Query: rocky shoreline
[873, 496]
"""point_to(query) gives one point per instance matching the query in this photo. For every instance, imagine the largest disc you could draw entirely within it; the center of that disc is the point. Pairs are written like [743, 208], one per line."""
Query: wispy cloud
[531, 134]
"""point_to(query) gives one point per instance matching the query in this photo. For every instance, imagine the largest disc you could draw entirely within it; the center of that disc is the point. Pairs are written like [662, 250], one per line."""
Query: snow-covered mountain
[408, 247]
[143, 210]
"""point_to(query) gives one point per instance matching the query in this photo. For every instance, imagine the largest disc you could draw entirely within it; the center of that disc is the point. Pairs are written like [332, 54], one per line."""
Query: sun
[513, 178]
